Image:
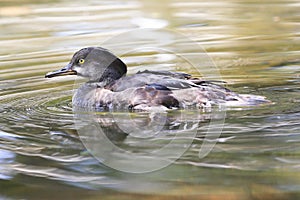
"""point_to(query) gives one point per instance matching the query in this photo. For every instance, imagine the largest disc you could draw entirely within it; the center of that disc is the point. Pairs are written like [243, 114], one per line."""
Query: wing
[180, 75]
[170, 80]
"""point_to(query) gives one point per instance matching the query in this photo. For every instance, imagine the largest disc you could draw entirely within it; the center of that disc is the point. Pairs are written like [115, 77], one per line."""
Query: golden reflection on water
[239, 35]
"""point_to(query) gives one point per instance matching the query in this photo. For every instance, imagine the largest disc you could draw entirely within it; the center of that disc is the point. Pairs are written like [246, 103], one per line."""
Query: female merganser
[108, 86]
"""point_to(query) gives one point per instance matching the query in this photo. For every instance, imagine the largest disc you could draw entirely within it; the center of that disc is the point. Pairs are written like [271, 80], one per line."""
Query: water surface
[255, 46]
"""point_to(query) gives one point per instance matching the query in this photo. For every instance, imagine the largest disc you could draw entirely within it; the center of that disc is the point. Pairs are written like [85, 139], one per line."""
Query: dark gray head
[95, 63]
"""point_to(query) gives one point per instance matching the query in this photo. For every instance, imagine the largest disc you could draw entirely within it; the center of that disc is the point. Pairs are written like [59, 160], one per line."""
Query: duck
[109, 87]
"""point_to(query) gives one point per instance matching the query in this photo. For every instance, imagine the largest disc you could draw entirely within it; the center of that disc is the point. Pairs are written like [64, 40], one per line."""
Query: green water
[255, 46]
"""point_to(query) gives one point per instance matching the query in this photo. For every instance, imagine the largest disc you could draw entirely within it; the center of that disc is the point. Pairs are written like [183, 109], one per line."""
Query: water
[255, 46]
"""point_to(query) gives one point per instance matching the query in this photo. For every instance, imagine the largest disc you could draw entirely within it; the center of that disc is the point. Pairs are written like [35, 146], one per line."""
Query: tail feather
[247, 100]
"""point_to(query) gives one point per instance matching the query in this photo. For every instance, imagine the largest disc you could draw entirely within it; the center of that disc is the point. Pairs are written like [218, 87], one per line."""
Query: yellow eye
[81, 61]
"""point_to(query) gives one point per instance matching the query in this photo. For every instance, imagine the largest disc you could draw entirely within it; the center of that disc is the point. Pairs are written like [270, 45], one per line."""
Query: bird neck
[113, 72]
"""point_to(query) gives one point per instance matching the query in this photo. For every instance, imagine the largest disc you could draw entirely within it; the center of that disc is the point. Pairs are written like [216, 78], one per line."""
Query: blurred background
[254, 44]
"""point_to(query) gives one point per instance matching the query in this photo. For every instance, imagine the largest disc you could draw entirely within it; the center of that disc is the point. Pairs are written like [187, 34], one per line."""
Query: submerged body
[109, 87]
